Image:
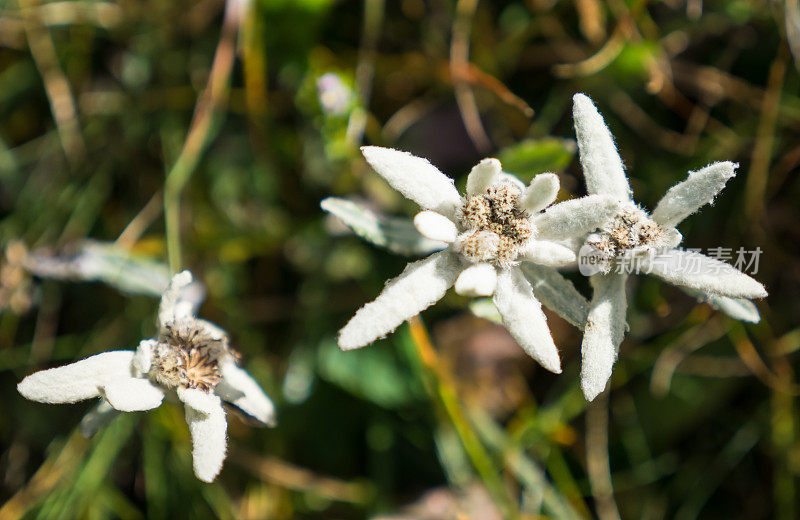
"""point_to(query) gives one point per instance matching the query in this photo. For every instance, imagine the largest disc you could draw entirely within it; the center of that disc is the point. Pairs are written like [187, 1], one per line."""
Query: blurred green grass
[102, 102]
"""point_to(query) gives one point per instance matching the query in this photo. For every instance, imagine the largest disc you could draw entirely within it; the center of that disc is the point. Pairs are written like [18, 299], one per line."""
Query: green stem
[442, 386]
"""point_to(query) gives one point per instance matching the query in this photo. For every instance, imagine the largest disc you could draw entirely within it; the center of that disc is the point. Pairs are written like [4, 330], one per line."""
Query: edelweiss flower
[489, 232]
[191, 359]
[649, 240]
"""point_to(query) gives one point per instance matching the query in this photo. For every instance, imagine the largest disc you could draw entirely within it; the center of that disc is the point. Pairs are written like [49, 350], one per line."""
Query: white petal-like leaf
[604, 332]
[477, 280]
[435, 226]
[523, 317]
[209, 439]
[240, 389]
[547, 253]
[557, 293]
[540, 193]
[737, 308]
[143, 358]
[416, 178]
[77, 381]
[574, 217]
[178, 301]
[600, 160]
[198, 399]
[103, 262]
[395, 234]
[705, 274]
[419, 286]
[132, 395]
[483, 175]
[690, 195]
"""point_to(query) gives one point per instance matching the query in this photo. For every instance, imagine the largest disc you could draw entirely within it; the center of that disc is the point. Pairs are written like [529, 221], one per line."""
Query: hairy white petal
[419, 286]
[523, 317]
[209, 439]
[600, 160]
[605, 329]
[574, 217]
[540, 193]
[477, 280]
[77, 381]
[240, 389]
[737, 308]
[483, 175]
[435, 226]
[548, 253]
[97, 418]
[557, 293]
[174, 304]
[132, 395]
[416, 178]
[143, 358]
[690, 195]
[703, 273]
[198, 399]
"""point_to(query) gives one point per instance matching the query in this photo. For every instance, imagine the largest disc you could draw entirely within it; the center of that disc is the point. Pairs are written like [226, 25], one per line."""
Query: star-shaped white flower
[499, 224]
[650, 240]
[191, 360]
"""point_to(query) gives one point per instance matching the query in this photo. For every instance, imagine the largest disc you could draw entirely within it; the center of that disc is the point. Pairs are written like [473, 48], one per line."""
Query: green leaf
[373, 373]
[532, 156]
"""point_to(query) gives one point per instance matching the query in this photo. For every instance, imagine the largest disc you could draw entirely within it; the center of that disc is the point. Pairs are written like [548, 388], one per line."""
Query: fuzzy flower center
[496, 228]
[188, 356]
[631, 229]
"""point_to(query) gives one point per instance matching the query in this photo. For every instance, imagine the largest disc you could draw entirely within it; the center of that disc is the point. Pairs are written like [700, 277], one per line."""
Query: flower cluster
[190, 360]
[504, 240]
[498, 225]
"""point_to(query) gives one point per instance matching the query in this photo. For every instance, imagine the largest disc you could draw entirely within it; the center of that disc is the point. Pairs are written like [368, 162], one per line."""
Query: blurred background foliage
[203, 134]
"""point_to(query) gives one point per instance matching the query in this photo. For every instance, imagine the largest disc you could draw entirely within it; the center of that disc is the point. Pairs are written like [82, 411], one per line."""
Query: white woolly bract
[737, 308]
[477, 280]
[77, 381]
[132, 395]
[557, 293]
[547, 253]
[574, 217]
[419, 286]
[174, 305]
[540, 193]
[197, 399]
[240, 389]
[483, 175]
[605, 329]
[143, 358]
[600, 161]
[690, 195]
[434, 226]
[523, 317]
[209, 439]
[703, 273]
[416, 178]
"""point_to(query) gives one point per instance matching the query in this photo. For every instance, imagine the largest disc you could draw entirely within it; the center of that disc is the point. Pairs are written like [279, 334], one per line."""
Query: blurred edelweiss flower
[648, 242]
[499, 224]
[191, 359]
